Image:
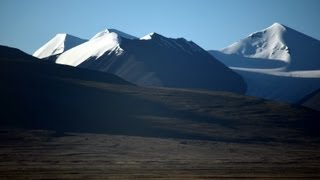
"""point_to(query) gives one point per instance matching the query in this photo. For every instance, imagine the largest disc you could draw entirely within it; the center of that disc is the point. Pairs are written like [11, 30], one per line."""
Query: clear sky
[212, 24]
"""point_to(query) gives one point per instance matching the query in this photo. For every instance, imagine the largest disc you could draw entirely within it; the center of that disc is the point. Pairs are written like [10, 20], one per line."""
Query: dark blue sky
[213, 24]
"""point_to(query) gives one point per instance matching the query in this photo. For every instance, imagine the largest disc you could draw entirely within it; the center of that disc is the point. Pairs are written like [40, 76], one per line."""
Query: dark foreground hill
[17, 64]
[44, 95]
[216, 134]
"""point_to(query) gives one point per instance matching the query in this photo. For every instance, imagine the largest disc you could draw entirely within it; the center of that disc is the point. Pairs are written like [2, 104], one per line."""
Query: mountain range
[152, 60]
[276, 63]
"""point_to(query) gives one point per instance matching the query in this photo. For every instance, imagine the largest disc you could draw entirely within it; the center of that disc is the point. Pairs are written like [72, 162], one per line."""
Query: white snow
[277, 63]
[57, 45]
[119, 33]
[265, 44]
[99, 34]
[282, 72]
[148, 36]
[282, 86]
[94, 48]
[106, 41]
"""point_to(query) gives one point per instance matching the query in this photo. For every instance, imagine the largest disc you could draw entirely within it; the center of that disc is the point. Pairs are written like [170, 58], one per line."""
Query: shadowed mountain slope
[153, 60]
[36, 99]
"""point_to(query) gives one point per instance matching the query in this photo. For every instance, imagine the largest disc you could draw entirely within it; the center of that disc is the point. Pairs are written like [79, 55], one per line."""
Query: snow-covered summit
[119, 33]
[57, 45]
[148, 36]
[277, 27]
[94, 48]
[122, 34]
[266, 44]
[279, 42]
[277, 63]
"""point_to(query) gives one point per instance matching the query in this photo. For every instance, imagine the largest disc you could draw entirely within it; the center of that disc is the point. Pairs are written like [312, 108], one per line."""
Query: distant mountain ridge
[119, 33]
[277, 63]
[279, 42]
[265, 44]
[153, 60]
[57, 45]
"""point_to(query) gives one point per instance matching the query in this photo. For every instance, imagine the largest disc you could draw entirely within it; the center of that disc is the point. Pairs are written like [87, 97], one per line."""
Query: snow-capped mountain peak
[96, 47]
[119, 33]
[279, 42]
[148, 36]
[99, 34]
[277, 27]
[292, 77]
[265, 44]
[57, 45]
[122, 34]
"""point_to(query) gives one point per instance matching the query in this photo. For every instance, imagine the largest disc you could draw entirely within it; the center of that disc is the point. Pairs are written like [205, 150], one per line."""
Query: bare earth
[42, 154]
